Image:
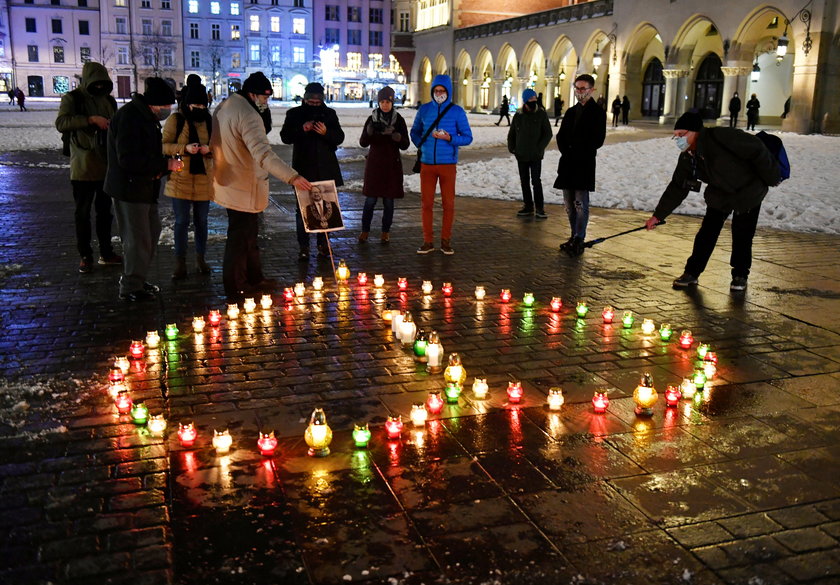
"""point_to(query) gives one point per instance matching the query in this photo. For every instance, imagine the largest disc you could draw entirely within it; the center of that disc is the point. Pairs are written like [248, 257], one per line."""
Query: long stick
[591, 243]
[332, 260]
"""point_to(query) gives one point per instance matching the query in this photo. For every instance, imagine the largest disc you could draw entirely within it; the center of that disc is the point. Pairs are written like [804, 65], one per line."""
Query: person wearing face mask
[187, 134]
[737, 169]
[439, 129]
[85, 113]
[581, 134]
[529, 134]
[315, 133]
[243, 161]
[136, 164]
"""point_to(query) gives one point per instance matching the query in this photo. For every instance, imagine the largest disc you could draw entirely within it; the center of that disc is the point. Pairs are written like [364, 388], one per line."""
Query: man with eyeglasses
[737, 169]
[581, 134]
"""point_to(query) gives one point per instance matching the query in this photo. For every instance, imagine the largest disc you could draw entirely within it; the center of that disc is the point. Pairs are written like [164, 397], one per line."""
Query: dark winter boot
[180, 270]
[201, 265]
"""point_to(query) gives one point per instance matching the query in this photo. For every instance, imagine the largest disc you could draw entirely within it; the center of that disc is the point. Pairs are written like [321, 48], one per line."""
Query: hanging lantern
[222, 441]
[387, 313]
[686, 339]
[627, 319]
[288, 294]
[528, 299]
[515, 392]
[702, 350]
[361, 435]
[156, 424]
[608, 314]
[408, 329]
[152, 339]
[555, 398]
[419, 414]
[419, 347]
[300, 289]
[394, 427]
[232, 311]
[434, 354]
[123, 364]
[402, 283]
[452, 391]
[214, 318]
[266, 301]
[427, 287]
[480, 293]
[318, 434]
[187, 434]
[171, 331]
[378, 280]
[362, 278]
[581, 309]
[688, 388]
[645, 396]
[600, 402]
[648, 326]
[672, 396]
[267, 443]
[139, 414]
[198, 324]
[249, 305]
[123, 402]
[342, 272]
[505, 295]
[116, 375]
[556, 304]
[699, 378]
[318, 283]
[136, 350]
[480, 389]
[455, 371]
[446, 289]
[434, 402]
[665, 332]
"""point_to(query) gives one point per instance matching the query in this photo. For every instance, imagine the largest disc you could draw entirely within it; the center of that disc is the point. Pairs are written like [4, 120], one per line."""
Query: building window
[275, 54]
[255, 22]
[56, 26]
[254, 1]
[298, 26]
[122, 55]
[146, 26]
[55, 2]
[31, 26]
[354, 14]
[275, 24]
[298, 54]
[166, 28]
[376, 16]
[33, 53]
[405, 22]
[82, 3]
[84, 27]
[195, 59]
[234, 32]
[215, 8]
[120, 3]
[121, 22]
[61, 84]
[331, 12]
[165, 5]
[332, 36]
[192, 6]
[354, 61]
[235, 60]
[168, 58]
[145, 3]
[84, 54]
[275, 3]
[375, 38]
[234, 8]
[147, 58]
[58, 54]
[298, 4]
[354, 37]
[194, 30]
[216, 32]
[254, 52]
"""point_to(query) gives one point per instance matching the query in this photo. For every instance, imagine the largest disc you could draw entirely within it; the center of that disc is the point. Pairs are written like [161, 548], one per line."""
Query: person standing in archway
[504, 110]
[752, 112]
[734, 110]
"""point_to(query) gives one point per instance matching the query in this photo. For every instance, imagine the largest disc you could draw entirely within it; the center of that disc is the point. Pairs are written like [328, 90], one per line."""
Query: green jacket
[529, 134]
[735, 165]
[88, 158]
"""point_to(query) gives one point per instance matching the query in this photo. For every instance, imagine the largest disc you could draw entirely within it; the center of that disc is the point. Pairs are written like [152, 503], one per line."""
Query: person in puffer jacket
[439, 155]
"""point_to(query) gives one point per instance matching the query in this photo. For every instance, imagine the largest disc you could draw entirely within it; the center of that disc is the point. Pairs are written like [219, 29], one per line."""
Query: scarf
[389, 119]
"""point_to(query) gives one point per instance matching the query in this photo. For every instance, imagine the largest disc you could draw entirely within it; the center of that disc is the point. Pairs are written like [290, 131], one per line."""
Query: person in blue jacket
[439, 155]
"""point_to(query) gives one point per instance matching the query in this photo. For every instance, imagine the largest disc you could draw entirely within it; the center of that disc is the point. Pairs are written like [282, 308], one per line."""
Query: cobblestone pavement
[737, 486]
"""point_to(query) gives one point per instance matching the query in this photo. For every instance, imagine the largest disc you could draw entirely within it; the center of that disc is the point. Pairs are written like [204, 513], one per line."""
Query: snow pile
[34, 408]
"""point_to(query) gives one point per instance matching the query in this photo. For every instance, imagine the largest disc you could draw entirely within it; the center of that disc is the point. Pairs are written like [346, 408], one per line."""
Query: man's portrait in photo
[319, 207]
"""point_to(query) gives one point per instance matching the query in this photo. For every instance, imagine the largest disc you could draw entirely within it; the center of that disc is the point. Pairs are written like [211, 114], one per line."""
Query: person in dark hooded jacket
[86, 113]
[315, 133]
[738, 169]
[529, 134]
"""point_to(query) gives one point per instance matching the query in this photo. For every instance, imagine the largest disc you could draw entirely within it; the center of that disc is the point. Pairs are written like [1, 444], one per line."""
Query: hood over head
[444, 81]
[93, 72]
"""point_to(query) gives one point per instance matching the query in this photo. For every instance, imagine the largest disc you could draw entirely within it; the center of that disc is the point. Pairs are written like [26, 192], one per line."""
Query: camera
[693, 185]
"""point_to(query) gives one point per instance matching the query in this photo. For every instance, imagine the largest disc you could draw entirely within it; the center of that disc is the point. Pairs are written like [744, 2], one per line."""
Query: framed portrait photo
[319, 207]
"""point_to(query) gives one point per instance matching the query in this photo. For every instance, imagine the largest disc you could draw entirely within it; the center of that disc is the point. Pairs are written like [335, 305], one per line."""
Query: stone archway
[642, 80]
[424, 80]
[563, 62]
[533, 72]
[483, 77]
[463, 83]
[506, 73]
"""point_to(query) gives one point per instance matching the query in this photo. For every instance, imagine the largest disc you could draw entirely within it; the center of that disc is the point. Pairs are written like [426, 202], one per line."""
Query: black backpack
[78, 109]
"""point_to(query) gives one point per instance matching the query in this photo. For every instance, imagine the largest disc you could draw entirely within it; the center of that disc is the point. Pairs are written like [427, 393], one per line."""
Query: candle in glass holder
[480, 293]
[318, 283]
[300, 289]
[556, 304]
[515, 392]
[434, 354]
[249, 305]
[419, 414]
[136, 350]
[266, 301]
[394, 427]
[362, 278]
[122, 363]
[581, 309]
[123, 402]
[222, 441]
[402, 283]
[427, 287]
[232, 311]
[171, 331]
[688, 388]
[342, 272]
[648, 326]
[446, 289]
[267, 443]
[645, 396]
[452, 391]
[361, 435]
[665, 332]
[419, 347]
[152, 339]
[686, 339]
[215, 318]
[378, 280]
[318, 434]
[156, 424]
[116, 375]
[672, 396]
[434, 402]
[555, 398]
[600, 402]
[627, 319]
[480, 389]
[198, 324]
[608, 314]
[703, 349]
[187, 434]
[408, 329]
[139, 413]
[505, 295]
[528, 299]
[288, 294]
[455, 371]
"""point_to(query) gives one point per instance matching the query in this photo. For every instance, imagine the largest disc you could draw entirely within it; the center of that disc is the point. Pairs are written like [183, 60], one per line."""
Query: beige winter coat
[243, 157]
[183, 184]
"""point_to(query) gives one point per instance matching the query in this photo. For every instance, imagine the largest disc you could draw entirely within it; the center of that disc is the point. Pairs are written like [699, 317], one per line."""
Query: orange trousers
[429, 177]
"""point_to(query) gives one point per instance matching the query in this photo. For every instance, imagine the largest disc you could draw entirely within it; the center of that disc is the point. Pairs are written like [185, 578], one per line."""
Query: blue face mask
[681, 142]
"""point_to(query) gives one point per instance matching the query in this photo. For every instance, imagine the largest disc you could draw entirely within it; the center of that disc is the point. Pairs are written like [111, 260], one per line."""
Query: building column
[476, 91]
[672, 108]
[802, 117]
[734, 79]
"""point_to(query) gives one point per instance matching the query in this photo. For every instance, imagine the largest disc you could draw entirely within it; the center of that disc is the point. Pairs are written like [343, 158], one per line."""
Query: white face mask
[440, 98]
[681, 142]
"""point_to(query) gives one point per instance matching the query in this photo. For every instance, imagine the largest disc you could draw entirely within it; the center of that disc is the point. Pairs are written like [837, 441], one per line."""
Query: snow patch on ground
[33, 409]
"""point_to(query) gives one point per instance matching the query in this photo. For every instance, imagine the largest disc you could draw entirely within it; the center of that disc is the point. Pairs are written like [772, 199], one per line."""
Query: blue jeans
[577, 208]
[387, 213]
[183, 208]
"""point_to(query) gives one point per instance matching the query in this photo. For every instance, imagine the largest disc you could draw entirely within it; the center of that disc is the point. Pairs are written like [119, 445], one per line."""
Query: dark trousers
[625, 117]
[387, 213]
[139, 225]
[743, 231]
[733, 120]
[242, 266]
[303, 236]
[503, 115]
[89, 194]
[530, 173]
